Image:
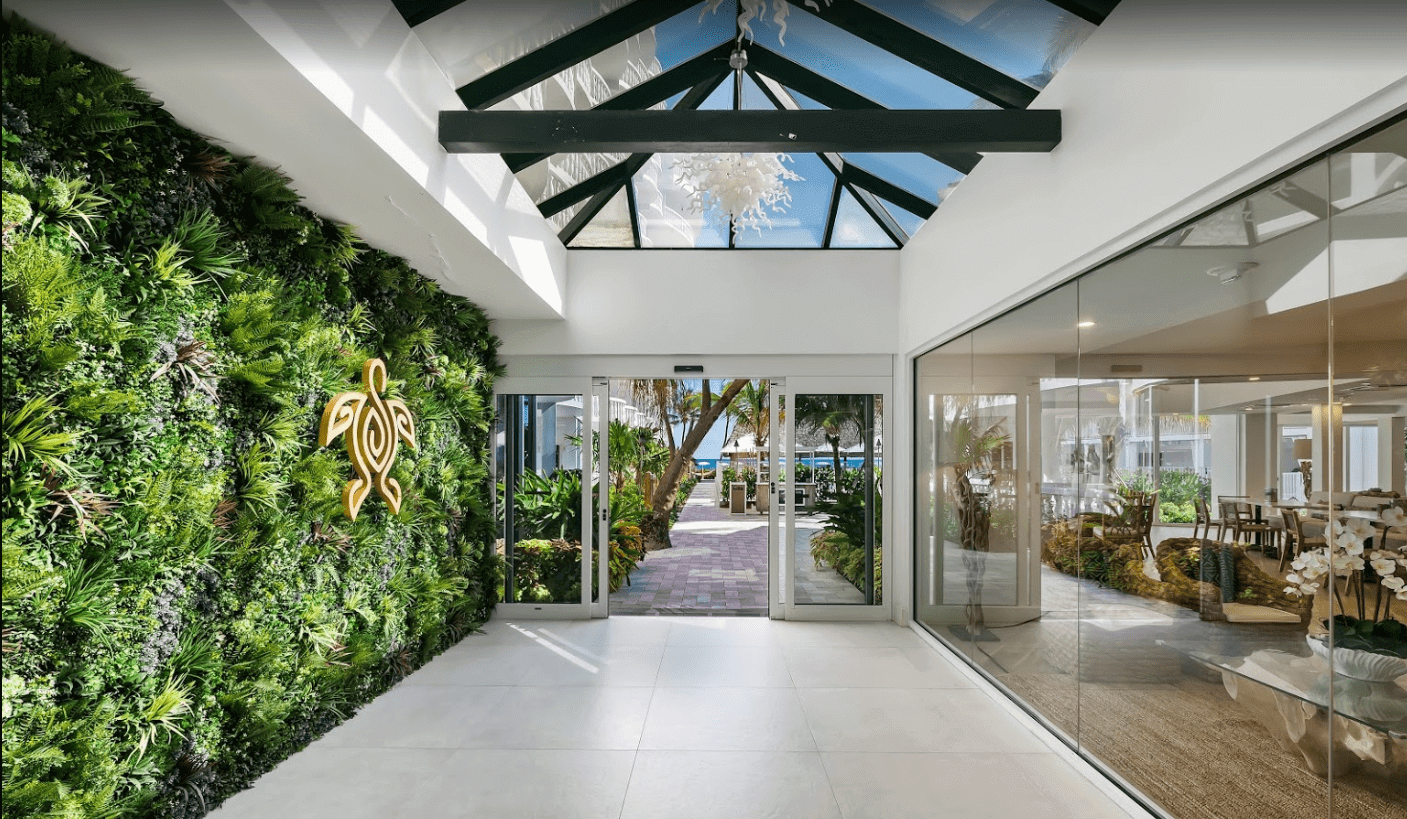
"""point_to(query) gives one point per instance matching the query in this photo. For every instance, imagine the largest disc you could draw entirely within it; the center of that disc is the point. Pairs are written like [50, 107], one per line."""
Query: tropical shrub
[184, 602]
[841, 543]
[547, 571]
[1177, 491]
[681, 496]
[549, 506]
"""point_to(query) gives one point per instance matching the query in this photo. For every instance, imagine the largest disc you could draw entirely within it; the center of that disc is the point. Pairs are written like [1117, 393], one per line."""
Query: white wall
[739, 302]
[344, 98]
[1168, 108]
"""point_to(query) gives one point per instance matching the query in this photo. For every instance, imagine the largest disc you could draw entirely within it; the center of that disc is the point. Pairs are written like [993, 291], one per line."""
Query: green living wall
[185, 603]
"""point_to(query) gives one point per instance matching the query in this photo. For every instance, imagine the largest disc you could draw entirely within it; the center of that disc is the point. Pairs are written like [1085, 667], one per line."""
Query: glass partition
[538, 465]
[1159, 504]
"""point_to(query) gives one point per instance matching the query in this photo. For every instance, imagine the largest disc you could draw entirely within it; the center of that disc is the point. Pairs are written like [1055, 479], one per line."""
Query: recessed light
[1248, 409]
[1085, 324]
[1255, 378]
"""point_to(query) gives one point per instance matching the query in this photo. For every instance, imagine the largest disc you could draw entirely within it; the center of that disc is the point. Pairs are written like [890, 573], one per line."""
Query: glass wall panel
[838, 532]
[1179, 630]
[1364, 418]
[1155, 504]
[538, 466]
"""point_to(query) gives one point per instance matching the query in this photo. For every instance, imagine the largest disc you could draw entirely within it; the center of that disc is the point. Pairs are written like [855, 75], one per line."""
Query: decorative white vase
[1360, 665]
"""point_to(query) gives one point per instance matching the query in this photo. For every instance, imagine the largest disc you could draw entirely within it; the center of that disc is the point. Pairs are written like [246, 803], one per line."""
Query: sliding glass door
[830, 490]
[545, 462]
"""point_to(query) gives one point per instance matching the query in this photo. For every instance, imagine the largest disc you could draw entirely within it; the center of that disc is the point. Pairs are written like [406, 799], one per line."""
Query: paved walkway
[719, 565]
[718, 562]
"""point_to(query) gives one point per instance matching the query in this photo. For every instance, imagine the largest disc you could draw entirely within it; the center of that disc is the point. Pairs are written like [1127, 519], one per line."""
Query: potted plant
[1368, 644]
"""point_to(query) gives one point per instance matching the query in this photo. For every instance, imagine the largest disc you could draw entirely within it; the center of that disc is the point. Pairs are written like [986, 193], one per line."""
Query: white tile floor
[656, 718]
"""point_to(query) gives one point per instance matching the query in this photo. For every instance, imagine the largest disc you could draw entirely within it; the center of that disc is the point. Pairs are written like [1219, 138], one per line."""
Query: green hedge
[184, 603]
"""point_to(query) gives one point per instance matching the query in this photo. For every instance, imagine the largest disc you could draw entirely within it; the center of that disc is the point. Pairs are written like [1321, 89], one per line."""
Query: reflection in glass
[862, 67]
[538, 469]
[1194, 440]
[1363, 423]
[1026, 39]
[837, 504]
[609, 228]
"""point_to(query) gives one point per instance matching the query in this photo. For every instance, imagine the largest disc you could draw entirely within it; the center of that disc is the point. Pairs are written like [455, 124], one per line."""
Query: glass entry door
[544, 467]
[831, 492]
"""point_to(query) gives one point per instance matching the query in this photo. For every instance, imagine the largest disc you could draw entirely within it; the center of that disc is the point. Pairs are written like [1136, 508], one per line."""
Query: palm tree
[654, 397]
[684, 406]
[969, 443]
[750, 412]
[831, 415]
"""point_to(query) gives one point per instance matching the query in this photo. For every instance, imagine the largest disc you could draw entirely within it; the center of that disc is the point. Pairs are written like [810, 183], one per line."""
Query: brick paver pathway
[719, 566]
[719, 562]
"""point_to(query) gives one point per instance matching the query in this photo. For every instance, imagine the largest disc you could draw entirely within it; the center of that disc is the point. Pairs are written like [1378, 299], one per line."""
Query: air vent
[1125, 368]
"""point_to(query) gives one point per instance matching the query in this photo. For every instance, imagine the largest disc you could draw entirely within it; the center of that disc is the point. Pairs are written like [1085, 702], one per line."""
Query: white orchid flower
[1384, 566]
[1394, 516]
[1344, 565]
[1402, 594]
[1362, 529]
[1339, 526]
[1393, 583]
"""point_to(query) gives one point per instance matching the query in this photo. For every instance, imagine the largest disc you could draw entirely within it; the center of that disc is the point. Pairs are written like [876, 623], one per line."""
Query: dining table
[1317, 510]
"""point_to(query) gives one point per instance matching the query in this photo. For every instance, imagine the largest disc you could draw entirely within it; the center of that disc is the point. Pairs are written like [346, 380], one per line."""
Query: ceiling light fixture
[1085, 324]
[1255, 378]
[1229, 273]
[741, 190]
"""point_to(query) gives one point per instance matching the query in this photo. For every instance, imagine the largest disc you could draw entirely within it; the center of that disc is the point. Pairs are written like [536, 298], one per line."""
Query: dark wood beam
[610, 180]
[686, 75]
[568, 50]
[868, 202]
[588, 212]
[853, 176]
[861, 178]
[836, 190]
[630, 204]
[1178, 237]
[882, 217]
[1248, 223]
[1301, 198]
[415, 12]
[1092, 10]
[682, 131]
[829, 93]
[925, 52]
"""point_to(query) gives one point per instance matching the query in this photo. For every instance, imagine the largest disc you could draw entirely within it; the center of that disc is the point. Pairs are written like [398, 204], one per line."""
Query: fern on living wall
[184, 603]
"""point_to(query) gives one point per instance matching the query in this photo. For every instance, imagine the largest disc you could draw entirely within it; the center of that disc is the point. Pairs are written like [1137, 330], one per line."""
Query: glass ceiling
[861, 200]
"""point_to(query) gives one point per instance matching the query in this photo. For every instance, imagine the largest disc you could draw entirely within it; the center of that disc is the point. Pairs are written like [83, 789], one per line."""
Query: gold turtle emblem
[375, 426]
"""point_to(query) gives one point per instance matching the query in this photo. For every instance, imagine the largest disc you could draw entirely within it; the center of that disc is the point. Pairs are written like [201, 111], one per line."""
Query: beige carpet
[1198, 755]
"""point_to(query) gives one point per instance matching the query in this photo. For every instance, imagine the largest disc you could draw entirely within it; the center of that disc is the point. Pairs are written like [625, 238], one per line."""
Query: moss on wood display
[185, 603]
[1181, 565]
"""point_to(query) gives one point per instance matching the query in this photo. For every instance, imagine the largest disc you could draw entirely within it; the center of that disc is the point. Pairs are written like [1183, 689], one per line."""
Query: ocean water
[850, 463]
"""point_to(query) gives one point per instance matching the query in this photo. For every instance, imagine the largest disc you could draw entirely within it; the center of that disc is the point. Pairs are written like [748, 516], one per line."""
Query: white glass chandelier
[743, 189]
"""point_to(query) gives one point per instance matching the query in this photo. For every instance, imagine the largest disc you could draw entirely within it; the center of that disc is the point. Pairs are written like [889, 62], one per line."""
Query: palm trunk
[655, 527]
[835, 459]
